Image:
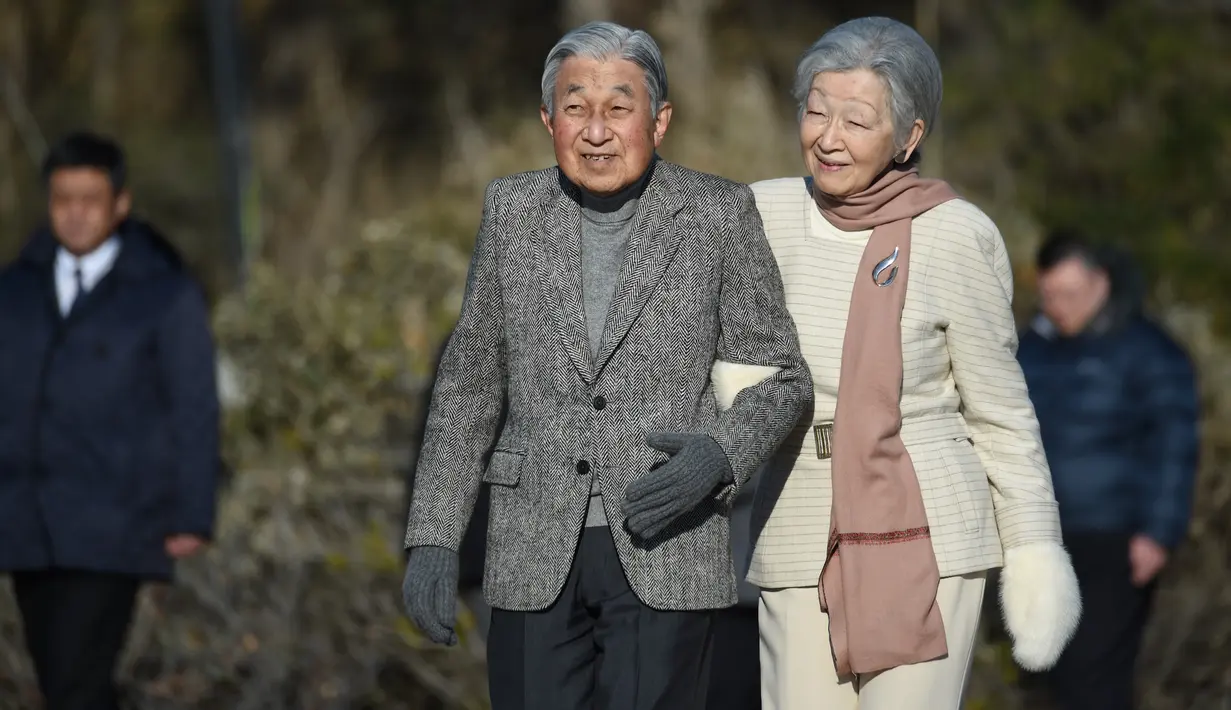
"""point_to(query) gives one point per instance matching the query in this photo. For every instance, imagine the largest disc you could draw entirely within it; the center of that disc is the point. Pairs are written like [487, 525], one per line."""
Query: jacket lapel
[651, 246]
[560, 275]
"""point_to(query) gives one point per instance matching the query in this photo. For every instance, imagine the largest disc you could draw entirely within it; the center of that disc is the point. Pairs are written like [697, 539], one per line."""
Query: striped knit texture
[967, 419]
[698, 283]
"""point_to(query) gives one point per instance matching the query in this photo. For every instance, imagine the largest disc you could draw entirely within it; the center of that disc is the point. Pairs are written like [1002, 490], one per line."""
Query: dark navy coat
[1119, 413]
[109, 418]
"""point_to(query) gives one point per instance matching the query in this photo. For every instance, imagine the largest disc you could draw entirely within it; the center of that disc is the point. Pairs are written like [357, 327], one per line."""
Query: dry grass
[297, 606]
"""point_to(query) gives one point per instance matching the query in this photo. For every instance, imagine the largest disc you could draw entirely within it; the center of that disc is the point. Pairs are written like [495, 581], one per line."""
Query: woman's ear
[912, 142]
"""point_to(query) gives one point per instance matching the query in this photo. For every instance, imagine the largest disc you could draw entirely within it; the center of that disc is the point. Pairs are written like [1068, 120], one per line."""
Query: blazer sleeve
[975, 297]
[467, 398]
[756, 330]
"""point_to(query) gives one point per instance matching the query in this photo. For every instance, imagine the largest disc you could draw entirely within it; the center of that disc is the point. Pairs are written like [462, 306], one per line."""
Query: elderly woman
[921, 467]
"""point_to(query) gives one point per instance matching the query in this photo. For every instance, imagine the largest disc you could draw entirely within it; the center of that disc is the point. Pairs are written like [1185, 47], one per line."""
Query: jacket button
[600, 402]
[583, 467]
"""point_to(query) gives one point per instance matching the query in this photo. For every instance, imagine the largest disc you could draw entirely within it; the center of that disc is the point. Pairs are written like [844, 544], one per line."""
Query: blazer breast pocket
[680, 295]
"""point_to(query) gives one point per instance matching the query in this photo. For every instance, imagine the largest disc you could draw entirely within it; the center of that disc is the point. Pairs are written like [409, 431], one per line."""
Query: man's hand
[1147, 559]
[180, 546]
[429, 592]
[697, 466]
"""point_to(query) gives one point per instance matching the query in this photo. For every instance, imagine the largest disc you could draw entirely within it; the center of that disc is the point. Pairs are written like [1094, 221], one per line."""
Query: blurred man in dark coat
[1117, 404]
[109, 451]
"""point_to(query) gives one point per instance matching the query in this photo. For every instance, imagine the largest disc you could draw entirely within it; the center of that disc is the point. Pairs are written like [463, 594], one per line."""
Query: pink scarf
[880, 577]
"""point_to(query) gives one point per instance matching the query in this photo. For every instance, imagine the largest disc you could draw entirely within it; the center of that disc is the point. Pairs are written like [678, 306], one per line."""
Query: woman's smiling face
[847, 131]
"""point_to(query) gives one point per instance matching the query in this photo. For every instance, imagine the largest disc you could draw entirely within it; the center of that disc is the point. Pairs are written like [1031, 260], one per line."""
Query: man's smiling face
[604, 127]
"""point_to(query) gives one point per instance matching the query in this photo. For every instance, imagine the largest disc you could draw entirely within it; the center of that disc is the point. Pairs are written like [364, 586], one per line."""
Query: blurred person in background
[1118, 404]
[921, 467]
[109, 422]
[600, 293]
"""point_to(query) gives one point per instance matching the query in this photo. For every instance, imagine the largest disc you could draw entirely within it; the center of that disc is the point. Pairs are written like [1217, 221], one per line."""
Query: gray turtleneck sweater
[605, 225]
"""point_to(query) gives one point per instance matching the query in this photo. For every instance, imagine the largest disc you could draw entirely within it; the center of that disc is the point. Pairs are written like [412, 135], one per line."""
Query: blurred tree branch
[350, 124]
[579, 12]
[18, 109]
[108, 32]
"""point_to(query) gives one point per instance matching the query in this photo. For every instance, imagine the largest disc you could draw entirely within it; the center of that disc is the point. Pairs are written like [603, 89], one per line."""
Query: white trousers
[797, 671]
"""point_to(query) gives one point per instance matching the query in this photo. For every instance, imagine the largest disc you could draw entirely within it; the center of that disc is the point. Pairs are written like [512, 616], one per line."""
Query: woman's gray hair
[893, 51]
[607, 40]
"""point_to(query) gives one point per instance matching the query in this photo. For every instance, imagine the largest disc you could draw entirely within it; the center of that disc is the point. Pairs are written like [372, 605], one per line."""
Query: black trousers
[735, 676]
[75, 625]
[598, 647]
[1095, 672]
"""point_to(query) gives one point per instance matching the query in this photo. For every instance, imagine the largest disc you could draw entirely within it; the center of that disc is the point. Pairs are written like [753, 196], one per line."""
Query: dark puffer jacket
[1118, 408]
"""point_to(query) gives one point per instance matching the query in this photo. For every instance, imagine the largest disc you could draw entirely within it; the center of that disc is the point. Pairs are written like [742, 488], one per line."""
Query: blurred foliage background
[374, 125]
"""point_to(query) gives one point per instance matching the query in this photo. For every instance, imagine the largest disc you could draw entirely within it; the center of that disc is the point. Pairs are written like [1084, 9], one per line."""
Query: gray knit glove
[698, 465]
[429, 592]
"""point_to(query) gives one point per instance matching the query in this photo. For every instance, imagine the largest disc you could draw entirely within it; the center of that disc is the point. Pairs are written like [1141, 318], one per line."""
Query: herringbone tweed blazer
[698, 283]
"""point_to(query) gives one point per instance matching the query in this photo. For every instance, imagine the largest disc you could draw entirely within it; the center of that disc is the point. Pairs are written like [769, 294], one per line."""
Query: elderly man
[601, 293]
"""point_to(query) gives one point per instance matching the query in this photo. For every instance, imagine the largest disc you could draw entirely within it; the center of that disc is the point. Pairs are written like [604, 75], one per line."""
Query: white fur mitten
[1040, 601]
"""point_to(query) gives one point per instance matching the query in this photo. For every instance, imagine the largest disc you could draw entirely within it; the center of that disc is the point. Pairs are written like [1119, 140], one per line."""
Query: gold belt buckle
[822, 435]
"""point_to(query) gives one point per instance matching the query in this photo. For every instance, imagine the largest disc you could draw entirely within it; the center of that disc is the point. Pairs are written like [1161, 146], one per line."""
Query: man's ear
[545, 116]
[1104, 279]
[661, 121]
[123, 205]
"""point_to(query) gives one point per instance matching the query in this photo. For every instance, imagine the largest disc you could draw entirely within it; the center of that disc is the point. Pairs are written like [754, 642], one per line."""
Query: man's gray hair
[603, 41]
[893, 51]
